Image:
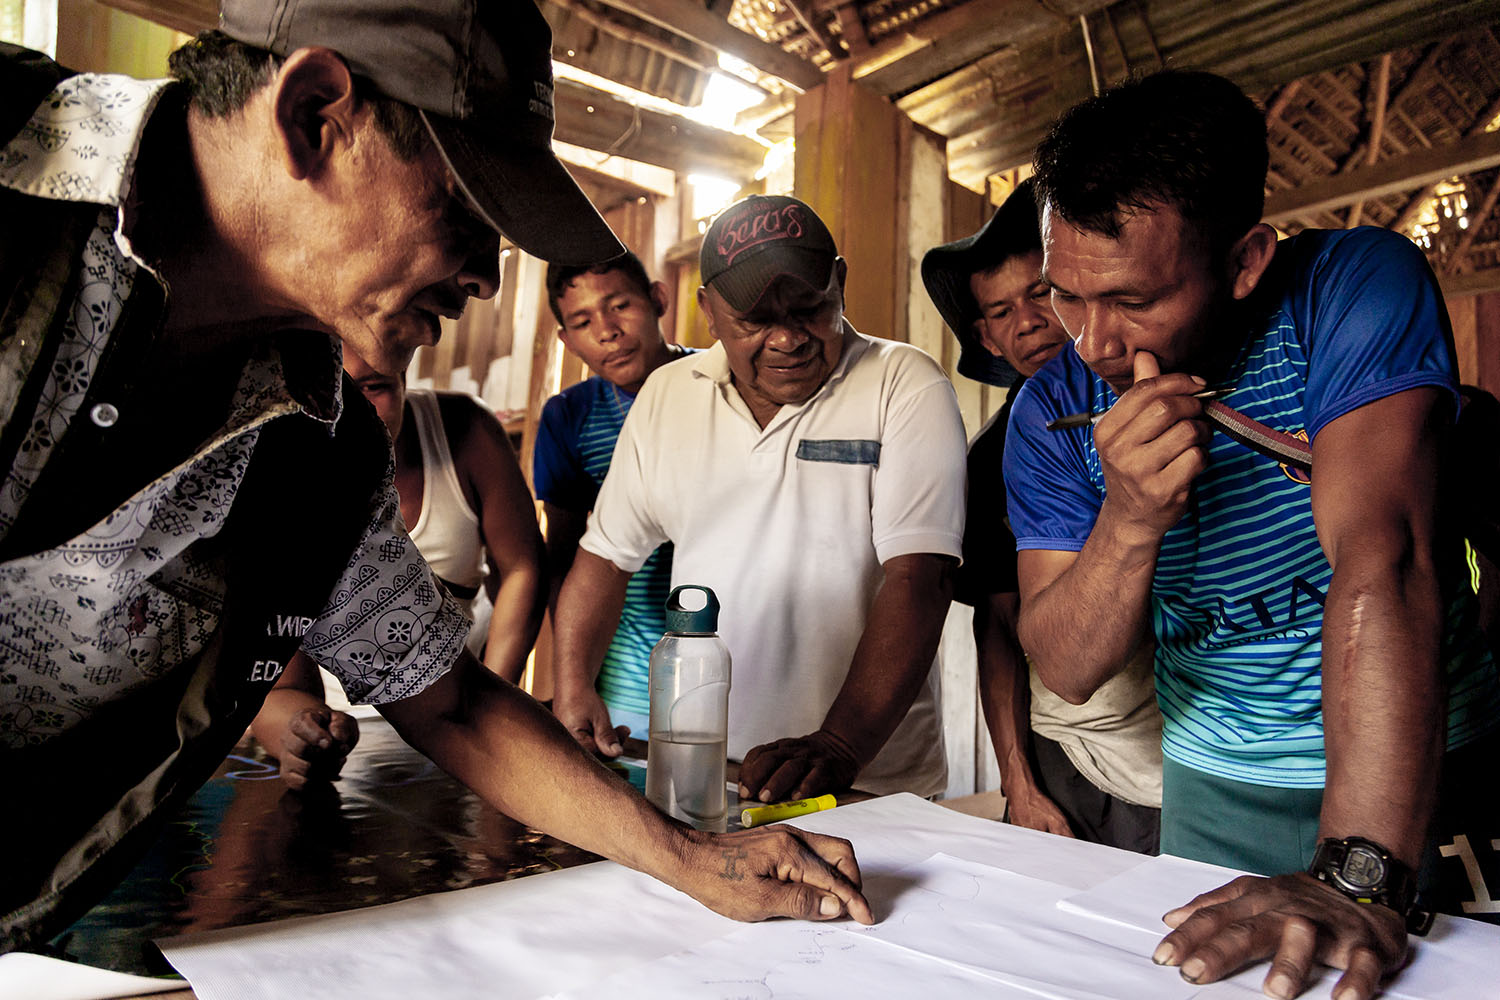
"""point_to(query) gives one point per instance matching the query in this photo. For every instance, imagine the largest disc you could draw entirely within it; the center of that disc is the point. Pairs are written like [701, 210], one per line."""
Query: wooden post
[847, 169]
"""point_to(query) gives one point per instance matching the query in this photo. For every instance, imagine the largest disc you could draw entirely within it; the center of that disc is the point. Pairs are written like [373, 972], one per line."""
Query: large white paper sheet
[950, 928]
[523, 938]
[899, 830]
[37, 977]
[1008, 926]
[795, 961]
[566, 932]
[1458, 960]
[1140, 895]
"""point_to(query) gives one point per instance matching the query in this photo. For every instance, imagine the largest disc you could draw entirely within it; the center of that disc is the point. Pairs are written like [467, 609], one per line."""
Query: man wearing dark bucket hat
[1094, 770]
[813, 477]
[179, 262]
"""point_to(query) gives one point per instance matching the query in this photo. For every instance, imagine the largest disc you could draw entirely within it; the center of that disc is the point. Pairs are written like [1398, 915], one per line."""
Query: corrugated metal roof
[629, 51]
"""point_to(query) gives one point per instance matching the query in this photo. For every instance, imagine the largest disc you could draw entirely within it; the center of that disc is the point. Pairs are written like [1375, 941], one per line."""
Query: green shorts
[1270, 831]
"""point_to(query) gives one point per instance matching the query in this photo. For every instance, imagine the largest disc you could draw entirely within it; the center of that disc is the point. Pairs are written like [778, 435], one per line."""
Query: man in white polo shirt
[814, 478]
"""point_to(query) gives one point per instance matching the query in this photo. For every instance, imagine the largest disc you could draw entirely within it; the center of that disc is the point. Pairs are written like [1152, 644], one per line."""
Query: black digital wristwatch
[1367, 873]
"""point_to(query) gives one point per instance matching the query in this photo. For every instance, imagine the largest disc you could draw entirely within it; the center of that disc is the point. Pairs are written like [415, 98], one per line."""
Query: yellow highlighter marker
[761, 815]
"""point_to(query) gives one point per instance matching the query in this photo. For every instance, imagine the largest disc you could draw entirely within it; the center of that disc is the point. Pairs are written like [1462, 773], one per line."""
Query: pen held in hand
[1085, 419]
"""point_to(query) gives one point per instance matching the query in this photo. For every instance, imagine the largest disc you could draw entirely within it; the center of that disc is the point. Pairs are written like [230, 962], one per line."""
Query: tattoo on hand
[731, 871]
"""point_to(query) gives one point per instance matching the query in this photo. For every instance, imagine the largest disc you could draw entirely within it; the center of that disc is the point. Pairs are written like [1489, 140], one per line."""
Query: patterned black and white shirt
[125, 602]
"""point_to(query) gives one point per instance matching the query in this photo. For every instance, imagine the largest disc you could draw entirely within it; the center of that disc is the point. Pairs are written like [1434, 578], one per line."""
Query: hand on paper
[778, 871]
[797, 768]
[1294, 920]
[585, 716]
[1151, 447]
[1035, 811]
[315, 745]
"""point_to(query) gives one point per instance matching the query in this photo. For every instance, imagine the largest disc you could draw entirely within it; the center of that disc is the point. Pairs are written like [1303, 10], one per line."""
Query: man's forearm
[560, 537]
[1383, 700]
[894, 655]
[499, 742]
[1004, 691]
[1082, 628]
[517, 617]
[503, 745]
[1374, 502]
[588, 611]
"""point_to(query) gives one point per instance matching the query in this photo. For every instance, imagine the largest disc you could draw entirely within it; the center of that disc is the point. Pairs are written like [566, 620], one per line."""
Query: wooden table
[245, 849]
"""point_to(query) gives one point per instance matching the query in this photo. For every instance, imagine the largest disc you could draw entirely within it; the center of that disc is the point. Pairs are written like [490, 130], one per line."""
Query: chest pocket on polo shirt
[840, 451]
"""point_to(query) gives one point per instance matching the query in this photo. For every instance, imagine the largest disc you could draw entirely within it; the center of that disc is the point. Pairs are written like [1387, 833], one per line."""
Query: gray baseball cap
[479, 72]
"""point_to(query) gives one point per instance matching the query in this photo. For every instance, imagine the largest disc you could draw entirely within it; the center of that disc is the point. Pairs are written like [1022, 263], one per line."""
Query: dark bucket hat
[946, 270]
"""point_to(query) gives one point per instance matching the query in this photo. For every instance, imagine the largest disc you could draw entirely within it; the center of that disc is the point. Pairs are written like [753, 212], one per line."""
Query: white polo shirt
[790, 525]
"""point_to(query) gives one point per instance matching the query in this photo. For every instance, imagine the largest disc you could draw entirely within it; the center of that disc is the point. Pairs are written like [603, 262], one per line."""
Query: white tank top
[447, 530]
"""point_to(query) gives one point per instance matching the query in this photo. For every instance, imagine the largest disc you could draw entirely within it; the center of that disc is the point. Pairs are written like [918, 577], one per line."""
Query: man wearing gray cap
[179, 262]
[814, 478]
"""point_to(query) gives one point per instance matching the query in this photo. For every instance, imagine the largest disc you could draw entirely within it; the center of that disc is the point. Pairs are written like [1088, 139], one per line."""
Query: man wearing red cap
[814, 478]
[179, 262]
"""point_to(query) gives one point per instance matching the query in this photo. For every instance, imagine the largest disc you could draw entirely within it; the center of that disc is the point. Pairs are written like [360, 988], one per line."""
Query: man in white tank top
[462, 497]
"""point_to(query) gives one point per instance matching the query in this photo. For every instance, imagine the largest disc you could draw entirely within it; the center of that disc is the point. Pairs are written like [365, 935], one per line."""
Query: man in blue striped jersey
[609, 315]
[1323, 682]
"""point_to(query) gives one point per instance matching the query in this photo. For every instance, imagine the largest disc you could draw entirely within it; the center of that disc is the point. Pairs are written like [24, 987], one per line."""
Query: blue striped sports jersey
[1237, 601]
[574, 443]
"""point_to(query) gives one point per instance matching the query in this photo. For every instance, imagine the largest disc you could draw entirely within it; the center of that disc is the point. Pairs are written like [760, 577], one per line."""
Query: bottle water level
[685, 779]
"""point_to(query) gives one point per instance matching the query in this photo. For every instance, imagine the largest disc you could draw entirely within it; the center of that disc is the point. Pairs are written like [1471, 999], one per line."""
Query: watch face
[1363, 868]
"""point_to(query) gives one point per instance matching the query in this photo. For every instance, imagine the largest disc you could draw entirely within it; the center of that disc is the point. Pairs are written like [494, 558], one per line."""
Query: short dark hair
[1187, 139]
[221, 74]
[559, 276]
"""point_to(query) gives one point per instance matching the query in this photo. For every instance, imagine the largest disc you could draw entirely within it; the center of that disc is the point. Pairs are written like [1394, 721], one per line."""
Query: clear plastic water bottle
[690, 712]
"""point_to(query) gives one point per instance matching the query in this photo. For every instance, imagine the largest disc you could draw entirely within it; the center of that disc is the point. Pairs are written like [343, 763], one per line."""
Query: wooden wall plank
[1486, 373]
[845, 170]
[926, 226]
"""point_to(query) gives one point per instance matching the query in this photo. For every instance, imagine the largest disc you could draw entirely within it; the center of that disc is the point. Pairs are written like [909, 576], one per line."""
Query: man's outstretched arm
[502, 744]
[890, 665]
[1373, 497]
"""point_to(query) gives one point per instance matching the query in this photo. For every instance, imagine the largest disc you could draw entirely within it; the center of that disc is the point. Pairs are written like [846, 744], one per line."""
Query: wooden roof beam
[811, 26]
[935, 46]
[1414, 205]
[1399, 173]
[1377, 129]
[695, 23]
[1473, 283]
[1455, 262]
[852, 28]
[601, 121]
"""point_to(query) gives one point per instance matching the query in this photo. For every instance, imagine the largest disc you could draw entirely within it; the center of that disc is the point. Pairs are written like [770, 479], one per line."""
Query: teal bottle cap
[696, 616]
